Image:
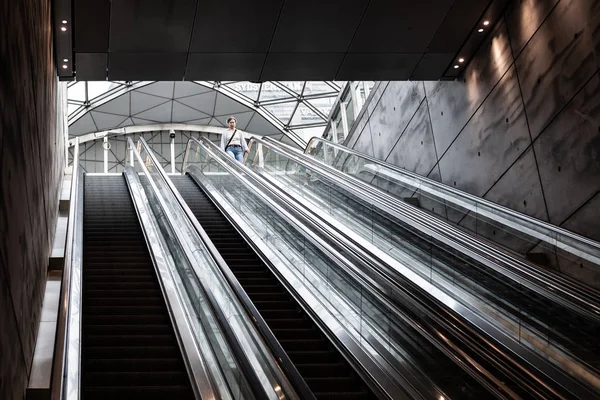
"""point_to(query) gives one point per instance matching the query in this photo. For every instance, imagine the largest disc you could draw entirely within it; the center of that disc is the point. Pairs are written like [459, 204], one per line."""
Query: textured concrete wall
[30, 169]
[522, 128]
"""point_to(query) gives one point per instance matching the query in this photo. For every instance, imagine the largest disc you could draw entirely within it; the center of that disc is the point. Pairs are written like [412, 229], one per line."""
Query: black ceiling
[261, 40]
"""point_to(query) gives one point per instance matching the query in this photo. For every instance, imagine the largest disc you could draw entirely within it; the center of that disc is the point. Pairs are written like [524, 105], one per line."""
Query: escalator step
[146, 393]
[140, 365]
[130, 340]
[156, 329]
[129, 349]
[131, 352]
[140, 378]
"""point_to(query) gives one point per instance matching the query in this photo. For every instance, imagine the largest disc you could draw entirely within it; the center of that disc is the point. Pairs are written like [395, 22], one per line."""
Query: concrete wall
[31, 164]
[522, 128]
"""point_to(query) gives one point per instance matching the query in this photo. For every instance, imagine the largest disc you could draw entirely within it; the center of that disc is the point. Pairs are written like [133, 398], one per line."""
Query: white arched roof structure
[284, 110]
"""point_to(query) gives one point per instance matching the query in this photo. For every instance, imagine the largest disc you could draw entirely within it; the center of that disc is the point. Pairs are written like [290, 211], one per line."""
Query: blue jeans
[235, 152]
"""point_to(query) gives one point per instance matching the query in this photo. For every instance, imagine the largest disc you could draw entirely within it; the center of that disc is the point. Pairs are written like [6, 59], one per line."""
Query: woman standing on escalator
[233, 142]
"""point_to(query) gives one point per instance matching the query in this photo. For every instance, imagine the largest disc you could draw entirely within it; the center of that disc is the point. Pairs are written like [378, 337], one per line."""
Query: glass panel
[335, 294]
[76, 92]
[98, 88]
[550, 247]
[270, 91]
[544, 325]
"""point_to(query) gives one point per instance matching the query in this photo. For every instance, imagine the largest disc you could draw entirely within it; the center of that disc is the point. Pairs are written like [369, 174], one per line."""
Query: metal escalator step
[139, 340]
[141, 378]
[130, 329]
[131, 365]
[103, 352]
[129, 350]
[334, 384]
[317, 370]
[90, 294]
[317, 357]
[119, 285]
[127, 319]
[123, 301]
[304, 344]
[124, 310]
[132, 392]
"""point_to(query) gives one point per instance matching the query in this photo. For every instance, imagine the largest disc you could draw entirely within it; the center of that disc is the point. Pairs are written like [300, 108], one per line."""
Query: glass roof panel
[248, 89]
[98, 88]
[217, 99]
[318, 87]
[270, 91]
[77, 92]
[282, 112]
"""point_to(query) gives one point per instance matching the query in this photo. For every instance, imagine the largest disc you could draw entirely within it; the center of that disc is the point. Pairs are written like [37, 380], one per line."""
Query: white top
[238, 139]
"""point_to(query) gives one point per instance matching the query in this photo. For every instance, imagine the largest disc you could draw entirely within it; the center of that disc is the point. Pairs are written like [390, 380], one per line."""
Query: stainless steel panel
[415, 149]
[493, 139]
[568, 154]
[452, 104]
[396, 108]
[560, 58]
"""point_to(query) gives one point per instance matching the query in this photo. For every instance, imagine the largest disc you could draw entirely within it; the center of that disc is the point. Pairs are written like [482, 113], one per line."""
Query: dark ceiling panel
[92, 19]
[146, 67]
[461, 19]
[402, 26]
[331, 28]
[234, 26]
[151, 25]
[224, 66]
[373, 66]
[301, 66]
[431, 65]
[91, 66]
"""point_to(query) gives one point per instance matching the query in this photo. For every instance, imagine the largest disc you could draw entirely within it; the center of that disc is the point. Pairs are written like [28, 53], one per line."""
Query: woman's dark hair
[231, 118]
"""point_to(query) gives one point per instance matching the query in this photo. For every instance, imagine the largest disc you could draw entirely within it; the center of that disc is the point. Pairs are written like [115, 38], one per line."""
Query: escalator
[129, 348]
[321, 365]
[544, 320]
[553, 322]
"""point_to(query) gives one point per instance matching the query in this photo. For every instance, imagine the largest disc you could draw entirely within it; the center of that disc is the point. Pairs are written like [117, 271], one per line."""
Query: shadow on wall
[31, 164]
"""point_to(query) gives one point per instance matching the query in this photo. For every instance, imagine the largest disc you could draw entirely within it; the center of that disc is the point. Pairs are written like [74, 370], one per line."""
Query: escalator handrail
[280, 357]
[204, 382]
[353, 249]
[583, 300]
[581, 246]
[65, 379]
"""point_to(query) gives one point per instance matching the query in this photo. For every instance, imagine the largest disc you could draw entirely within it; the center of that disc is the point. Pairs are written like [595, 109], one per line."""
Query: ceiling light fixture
[64, 66]
[64, 21]
[480, 30]
[63, 28]
[456, 66]
[461, 60]
[486, 23]
[65, 60]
